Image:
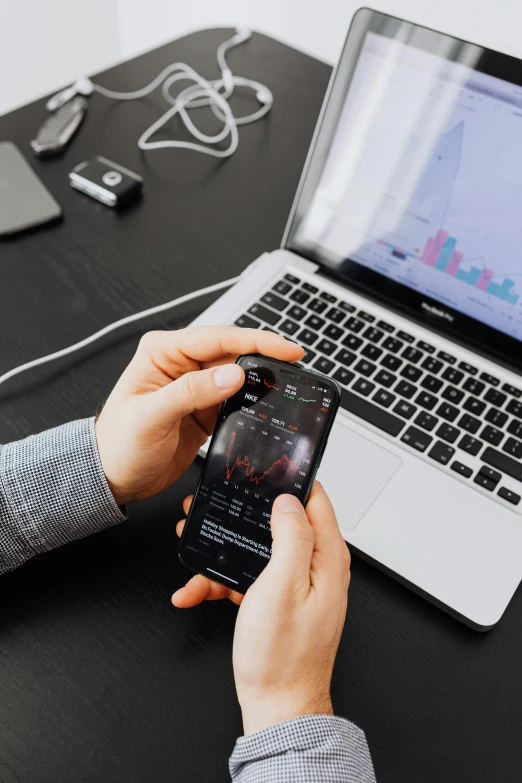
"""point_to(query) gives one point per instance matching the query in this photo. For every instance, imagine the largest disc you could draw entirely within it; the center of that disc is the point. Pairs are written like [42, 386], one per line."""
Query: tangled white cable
[214, 94]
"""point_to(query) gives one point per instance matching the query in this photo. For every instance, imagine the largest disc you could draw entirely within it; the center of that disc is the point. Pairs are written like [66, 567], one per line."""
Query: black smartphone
[269, 440]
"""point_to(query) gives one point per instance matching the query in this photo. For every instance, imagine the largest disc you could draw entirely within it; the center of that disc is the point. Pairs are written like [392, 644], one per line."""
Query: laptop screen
[422, 181]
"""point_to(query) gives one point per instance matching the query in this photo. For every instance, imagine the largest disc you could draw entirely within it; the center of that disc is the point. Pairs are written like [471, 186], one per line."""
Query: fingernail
[227, 376]
[288, 503]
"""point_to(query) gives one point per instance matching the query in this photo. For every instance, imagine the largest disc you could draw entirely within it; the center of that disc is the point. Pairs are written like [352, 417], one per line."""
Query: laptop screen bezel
[430, 312]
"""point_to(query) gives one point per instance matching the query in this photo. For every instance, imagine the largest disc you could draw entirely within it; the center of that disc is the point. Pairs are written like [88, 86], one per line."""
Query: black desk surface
[100, 677]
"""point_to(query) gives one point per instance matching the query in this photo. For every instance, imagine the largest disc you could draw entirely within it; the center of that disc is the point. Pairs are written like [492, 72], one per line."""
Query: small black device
[269, 440]
[106, 181]
[59, 128]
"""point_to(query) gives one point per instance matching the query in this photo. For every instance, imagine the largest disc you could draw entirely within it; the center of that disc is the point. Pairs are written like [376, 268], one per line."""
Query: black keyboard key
[333, 332]
[262, 312]
[452, 394]
[496, 417]
[323, 365]
[335, 315]
[292, 279]
[426, 421]
[425, 346]
[446, 357]
[373, 414]
[417, 439]
[345, 357]
[299, 296]
[448, 433]
[354, 324]
[431, 383]
[507, 494]
[366, 316]
[426, 400]
[327, 297]
[473, 386]
[511, 390]
[385, 378]
[384, 398]
[411, 373]
[474, 406]
[314, 322]
[503, 463]
[432, 365]
[363, 386]
[296, 312]
[441, 452]
[347, 306]
[405, 409]
[515, 428]
[491, 435]
[391, 362]
[495, 397]
[515, 408]
[461, 469]
[406, 337]
[311, 288]
[365, 368]
[268, 329]
[373, 334]
[484, 376]
[468, 368]
[343, 376]
[406, 389]
[371, 351]
[447, 411]
[469, 423]
[385, 326]
[307, 337]
[470, 444]
[411, 354]
[282, 288]
[309, 356]
[452, 375]
[246, 322]
[487, 478]
[275, 301]
[317, 306]
[289, 327]
[393, 345]
[513, 447]
[326, 347]
[353, 342]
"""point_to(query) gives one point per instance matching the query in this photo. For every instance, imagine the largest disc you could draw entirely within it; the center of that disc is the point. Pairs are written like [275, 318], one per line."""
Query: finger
[196, 391]
[292, 541]
[199, 589]
[187, 503]
[331, 559]
[179, 527]
[211, 343]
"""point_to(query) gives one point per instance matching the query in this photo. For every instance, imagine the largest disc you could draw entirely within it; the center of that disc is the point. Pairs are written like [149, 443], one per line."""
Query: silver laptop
[400, 273]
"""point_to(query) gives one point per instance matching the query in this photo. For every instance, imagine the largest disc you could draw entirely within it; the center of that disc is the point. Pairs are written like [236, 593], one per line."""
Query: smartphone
[269, 439]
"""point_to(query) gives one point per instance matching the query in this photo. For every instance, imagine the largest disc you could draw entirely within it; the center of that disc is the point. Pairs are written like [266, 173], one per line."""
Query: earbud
[82, 85]
[264, 97]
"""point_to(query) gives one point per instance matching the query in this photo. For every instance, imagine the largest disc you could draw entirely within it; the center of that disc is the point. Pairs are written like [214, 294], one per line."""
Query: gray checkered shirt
[53, 490]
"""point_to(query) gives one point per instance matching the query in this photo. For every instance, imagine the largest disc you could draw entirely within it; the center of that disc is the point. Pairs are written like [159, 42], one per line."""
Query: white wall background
[46, 43]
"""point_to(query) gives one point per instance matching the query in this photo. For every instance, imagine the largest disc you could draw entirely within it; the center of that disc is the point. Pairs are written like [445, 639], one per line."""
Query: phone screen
[268, 441]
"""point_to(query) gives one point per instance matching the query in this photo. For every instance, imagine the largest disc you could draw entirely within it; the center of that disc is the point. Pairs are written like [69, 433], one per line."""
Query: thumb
[195, 391]
[293, 540]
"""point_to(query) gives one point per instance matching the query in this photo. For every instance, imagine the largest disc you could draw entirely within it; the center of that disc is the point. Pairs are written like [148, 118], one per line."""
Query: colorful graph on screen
[249, 469]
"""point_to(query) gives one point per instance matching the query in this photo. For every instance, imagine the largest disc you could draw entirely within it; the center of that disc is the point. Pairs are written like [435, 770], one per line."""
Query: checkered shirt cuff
[313, 748]
[52, 490]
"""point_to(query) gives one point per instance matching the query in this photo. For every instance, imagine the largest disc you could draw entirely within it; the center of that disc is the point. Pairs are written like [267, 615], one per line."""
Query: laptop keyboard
[426, 398]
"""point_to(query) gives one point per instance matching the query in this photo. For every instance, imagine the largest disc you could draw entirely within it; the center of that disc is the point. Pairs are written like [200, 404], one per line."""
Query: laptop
[400, 273]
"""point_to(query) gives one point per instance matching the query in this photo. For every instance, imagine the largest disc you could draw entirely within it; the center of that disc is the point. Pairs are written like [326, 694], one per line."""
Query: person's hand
[290, 621]
[165, 404]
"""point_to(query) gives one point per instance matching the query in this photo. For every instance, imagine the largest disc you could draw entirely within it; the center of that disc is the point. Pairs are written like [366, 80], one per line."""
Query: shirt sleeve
[52, 490]
[314, 748]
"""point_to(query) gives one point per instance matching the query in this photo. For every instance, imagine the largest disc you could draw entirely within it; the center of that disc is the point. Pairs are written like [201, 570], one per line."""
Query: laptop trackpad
[354, 471]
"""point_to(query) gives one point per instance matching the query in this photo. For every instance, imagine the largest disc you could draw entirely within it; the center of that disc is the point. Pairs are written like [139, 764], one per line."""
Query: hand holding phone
[269, 440]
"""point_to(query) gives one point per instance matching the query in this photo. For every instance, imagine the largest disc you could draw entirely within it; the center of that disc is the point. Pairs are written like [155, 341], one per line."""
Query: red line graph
[244, 462]
[270, 385]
